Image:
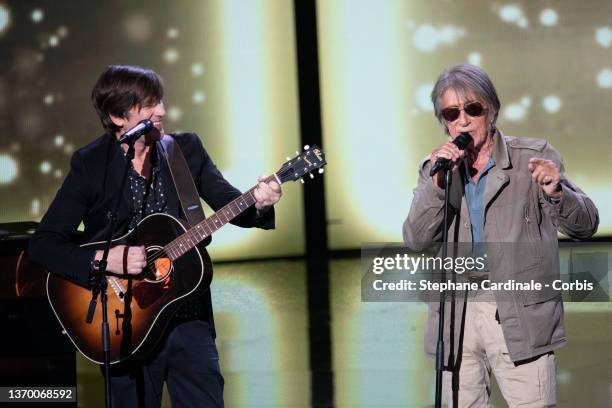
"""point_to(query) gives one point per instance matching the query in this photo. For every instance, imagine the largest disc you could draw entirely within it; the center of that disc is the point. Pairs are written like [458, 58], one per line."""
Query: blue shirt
[474, 195]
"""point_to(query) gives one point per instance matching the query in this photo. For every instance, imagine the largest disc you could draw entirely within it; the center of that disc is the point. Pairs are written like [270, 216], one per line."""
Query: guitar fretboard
[204, 229]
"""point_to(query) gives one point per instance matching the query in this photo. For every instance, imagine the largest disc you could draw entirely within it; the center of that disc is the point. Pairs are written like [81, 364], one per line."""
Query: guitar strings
[173, 246]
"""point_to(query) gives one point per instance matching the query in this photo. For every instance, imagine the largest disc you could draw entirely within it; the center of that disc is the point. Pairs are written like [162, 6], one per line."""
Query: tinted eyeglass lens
[450, 114]
[473, 109]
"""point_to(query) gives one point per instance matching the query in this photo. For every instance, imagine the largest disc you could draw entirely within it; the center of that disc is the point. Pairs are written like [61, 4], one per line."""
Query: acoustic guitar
[139, 309]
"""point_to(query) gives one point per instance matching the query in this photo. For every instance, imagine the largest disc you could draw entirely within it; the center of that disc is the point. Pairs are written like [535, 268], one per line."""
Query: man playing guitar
[186, 355]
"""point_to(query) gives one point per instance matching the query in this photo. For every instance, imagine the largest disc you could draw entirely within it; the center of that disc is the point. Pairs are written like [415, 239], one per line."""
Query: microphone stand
[98, 281]
[441, 317]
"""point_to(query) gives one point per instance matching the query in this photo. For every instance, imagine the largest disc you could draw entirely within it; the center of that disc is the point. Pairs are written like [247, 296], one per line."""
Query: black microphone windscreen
[463, 140]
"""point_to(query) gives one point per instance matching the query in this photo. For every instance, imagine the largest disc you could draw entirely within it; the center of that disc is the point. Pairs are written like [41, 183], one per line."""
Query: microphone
[462, 141]
[143, 127]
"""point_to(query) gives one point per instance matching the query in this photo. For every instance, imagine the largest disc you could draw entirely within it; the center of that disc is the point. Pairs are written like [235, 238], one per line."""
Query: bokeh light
[197, 69]
[37, 15]
[604, 78]
[48, 99]
[199, 97]
[564, 377]
[551, 103]
[45, 167]
[549, 17]
[172, 33]
[58, 140]
[8, 169]
[53, 41]
[35, 207]
[510, 13]
[174, 113]
[474, 58]
[171, 55]
[517, 112]
[427, 37]
[137, 28]
[603, 36]
[5, 18]
[513, 14]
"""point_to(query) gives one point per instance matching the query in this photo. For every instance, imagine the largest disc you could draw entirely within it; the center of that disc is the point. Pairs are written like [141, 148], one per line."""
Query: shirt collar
[468, 177]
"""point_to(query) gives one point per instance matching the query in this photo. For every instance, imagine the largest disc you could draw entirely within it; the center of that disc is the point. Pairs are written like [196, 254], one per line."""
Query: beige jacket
[516, 211]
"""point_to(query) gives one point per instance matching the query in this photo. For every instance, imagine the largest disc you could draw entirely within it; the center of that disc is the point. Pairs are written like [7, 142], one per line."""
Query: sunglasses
[473, 109]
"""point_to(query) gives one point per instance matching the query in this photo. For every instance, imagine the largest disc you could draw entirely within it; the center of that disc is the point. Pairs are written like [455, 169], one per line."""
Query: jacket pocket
[540, 276]
[544, 322]
[529, 248]
[532, 217]
[546, 294]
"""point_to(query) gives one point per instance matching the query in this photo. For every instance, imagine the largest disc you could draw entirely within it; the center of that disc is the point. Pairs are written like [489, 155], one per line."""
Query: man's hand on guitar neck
[123, 259]
[267, 193]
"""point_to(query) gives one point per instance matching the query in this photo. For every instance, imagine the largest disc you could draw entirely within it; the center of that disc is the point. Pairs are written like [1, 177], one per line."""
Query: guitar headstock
[312, 158]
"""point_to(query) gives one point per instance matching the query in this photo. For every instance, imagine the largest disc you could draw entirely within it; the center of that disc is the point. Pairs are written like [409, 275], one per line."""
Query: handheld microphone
[462, 141]
[143, 127]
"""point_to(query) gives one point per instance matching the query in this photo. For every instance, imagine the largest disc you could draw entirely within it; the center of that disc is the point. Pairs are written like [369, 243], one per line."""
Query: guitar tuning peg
[297, 153]
[306, 147]
[311, 175]
[302, 180]
[288, 158]
[321, 170]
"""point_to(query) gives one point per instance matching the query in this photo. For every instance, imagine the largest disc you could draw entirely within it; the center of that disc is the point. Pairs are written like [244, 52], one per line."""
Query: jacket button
[466, 225]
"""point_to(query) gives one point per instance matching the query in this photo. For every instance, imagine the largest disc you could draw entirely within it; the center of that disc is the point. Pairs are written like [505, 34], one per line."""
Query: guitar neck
[207, 227]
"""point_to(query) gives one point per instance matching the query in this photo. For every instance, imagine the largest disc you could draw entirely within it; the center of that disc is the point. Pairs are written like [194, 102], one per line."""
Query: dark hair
[122, 87]
[465, 79]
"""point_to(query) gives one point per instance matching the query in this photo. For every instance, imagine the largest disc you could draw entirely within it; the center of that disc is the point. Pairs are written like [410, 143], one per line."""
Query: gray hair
[465, 79]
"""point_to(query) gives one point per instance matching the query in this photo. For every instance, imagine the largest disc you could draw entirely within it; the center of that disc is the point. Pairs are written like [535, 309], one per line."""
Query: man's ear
[118, 121]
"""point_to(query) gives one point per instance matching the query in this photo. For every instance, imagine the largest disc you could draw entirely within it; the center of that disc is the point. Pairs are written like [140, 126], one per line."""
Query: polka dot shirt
[148, 197]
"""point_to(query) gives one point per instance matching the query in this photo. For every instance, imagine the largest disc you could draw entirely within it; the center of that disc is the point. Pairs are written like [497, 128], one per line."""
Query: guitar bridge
[117, 287]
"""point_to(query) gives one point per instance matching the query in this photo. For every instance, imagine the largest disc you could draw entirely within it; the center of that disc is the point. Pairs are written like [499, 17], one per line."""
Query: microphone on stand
[143, 127]
[462, 141]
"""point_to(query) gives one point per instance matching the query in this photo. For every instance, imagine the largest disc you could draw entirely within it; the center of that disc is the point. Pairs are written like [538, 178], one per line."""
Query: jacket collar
[497, 178]
[500, 151]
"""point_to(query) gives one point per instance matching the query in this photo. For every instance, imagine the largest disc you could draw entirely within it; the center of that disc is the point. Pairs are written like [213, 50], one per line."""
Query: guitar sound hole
[159, 266]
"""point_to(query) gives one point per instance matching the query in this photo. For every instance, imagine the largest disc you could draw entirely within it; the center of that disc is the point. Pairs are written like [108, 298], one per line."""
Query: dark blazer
[88, 194]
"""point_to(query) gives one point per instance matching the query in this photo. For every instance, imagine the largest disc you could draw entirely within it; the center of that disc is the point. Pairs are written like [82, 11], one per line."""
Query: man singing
[506, 189]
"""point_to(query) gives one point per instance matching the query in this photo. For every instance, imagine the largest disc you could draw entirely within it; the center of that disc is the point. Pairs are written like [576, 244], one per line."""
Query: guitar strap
[183, 181]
